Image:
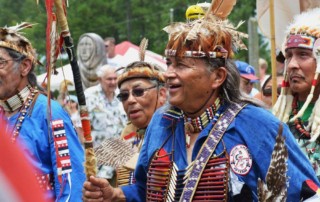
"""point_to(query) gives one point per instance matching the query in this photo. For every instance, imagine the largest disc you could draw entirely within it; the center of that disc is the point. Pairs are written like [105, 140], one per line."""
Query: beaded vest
[165, 182]
[206, 178]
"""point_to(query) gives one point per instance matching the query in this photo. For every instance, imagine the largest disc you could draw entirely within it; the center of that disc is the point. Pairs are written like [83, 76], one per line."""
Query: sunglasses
[268, 91]
[137, 92]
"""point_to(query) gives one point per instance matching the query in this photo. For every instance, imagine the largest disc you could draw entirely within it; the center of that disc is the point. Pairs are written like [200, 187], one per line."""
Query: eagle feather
[275, 188]
[222, 8]
[143, 48]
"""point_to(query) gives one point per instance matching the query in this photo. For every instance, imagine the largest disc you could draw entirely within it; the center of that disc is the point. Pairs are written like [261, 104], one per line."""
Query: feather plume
[175, 27]
[222, 8]
[143, 48]
[13, 33]
[193, 34]
[21, 26]
[275, 188]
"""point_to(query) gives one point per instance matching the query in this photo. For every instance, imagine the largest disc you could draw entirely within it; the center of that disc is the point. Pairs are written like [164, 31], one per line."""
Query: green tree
[123, 19]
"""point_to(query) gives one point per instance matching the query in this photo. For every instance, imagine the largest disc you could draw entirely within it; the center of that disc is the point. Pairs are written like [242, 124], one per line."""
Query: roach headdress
[12, 38]
[211, 36]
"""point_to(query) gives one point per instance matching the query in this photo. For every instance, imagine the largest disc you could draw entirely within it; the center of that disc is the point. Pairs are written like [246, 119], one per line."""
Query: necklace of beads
[16, 101]
[297, 122]
[23, 112]
[197, 124]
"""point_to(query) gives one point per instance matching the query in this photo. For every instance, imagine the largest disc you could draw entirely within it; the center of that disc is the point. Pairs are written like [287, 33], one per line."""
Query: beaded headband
[221, 53]
[211, 36]
[141, 72]
[11, 38]
[141, 69]
[303, 31]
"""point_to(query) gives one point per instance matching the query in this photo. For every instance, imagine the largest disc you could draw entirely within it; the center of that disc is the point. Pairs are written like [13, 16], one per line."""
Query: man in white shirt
[107, 115]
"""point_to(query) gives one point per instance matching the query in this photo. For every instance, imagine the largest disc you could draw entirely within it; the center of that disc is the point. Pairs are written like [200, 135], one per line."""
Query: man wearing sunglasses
[142, 92]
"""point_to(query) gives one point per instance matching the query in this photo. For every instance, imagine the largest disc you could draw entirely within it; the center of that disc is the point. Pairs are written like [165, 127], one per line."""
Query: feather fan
[114, 152]
[143, 48]
[275, 188]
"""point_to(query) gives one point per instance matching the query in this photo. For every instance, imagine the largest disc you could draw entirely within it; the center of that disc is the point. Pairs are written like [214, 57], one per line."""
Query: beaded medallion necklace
[297, 123]
[197, 124]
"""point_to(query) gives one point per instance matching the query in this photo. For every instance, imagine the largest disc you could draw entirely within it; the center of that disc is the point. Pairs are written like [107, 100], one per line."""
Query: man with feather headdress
[52, 146]
[209, 144]
[299, 102]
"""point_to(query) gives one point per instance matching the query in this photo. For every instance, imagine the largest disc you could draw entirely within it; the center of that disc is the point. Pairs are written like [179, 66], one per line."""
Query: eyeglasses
[137, 92]
[3, 63]
[268, 91]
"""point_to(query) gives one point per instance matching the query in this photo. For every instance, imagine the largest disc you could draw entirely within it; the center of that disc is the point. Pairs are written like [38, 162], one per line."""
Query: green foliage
[123, 19]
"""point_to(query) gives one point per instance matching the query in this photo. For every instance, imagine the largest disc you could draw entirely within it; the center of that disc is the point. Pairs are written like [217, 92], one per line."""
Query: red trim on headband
[300, 41]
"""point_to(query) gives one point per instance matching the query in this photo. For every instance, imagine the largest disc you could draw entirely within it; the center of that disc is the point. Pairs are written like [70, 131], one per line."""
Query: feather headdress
[11, 37]
[141, 69]
[212, 36]
[303, 32]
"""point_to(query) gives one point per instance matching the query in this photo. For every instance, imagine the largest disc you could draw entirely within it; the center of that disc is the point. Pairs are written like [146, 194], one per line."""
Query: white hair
[104, 69]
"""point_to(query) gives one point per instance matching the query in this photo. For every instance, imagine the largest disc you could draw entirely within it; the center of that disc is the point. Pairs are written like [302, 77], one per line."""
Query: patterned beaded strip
[23, 113]
[297, 122]
[208, 148]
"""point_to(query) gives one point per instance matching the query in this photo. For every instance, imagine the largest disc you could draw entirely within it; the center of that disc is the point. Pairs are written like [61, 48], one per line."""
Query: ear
[218, 76]
[162, 96]
[25, 67]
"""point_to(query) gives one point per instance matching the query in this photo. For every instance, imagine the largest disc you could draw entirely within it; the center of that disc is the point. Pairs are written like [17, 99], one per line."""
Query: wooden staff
[91, 162]
[273, 54]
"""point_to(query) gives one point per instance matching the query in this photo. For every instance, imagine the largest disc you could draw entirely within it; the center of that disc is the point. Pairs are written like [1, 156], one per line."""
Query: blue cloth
[257, 133]
[39, 147]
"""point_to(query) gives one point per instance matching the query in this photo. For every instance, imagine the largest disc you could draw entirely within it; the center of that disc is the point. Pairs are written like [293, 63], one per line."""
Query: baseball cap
[246, 71]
